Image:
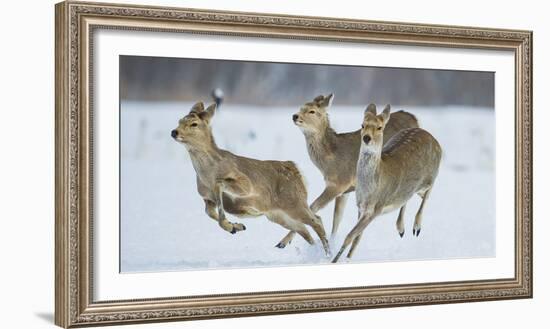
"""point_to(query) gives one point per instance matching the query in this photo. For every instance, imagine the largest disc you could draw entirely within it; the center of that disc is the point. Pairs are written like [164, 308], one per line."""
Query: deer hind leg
[418, 218]
[356, 232]
[222, 220]
[287, 239]
[400, 225]
[294, 226]
[339, 205]
[306, 216]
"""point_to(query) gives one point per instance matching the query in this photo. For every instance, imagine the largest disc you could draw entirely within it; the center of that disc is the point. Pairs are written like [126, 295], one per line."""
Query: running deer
[245, 187]
[388, 175]
[336, 154]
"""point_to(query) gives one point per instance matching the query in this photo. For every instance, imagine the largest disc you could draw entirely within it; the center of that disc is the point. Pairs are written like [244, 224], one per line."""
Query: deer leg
[355, 242]
[210, 209]
[328, 195]
[339, 205]
[306, 216]
[418, 218]
[354, 245]
[320, 230]
[364, 221]
[287, 240]
[286, 221]
[400, 224]
[305, 234]
[222, 220]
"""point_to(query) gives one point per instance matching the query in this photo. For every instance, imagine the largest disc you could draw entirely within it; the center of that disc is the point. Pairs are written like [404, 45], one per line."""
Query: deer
[242, 186]
[390, 174]
[336, 154]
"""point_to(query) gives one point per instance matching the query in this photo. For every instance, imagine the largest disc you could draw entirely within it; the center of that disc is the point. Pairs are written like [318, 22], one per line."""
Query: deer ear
[197, 108]
[319, 99]
[208, 113]
[327, 101]
[371, 109]
[386, 113]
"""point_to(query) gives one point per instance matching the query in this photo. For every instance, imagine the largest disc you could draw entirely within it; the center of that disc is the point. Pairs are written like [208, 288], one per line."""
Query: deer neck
[204, 155]
[369, 165]
[319, 144]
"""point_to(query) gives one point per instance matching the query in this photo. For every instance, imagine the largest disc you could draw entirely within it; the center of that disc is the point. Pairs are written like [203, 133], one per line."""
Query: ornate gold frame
[76, 22]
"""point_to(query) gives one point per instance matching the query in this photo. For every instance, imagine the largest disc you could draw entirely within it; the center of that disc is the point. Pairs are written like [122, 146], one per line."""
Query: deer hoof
[237, 228]
[418, 232]
[280, 245]
[401, 234]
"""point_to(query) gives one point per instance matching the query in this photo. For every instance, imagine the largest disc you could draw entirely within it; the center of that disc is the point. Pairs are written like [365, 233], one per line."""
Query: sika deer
[336, 154]
[243, 186]
[389, 175]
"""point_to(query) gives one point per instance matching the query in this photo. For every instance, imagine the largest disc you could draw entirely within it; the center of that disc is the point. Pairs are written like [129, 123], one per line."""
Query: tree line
[262, 83]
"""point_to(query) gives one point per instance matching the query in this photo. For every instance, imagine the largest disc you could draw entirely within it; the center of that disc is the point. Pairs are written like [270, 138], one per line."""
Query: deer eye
[362, 126]
[311, 112]
[194, 124]
[379, 128]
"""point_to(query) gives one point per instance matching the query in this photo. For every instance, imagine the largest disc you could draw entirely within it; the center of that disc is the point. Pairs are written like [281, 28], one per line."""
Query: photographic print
[214, 164]
[238, 164]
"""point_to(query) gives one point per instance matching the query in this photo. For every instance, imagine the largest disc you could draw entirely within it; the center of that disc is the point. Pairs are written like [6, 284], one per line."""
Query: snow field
[164, 226]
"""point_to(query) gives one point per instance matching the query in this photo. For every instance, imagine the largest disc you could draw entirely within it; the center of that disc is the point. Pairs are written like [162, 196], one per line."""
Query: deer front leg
[364, 221]
[328, 195]
[354, 245]
[339, 205]
[210, 209]
[222, 220]
[356, 241]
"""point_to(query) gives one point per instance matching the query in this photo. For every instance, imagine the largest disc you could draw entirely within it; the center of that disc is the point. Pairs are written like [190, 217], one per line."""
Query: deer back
[398, 121]
[409, 164]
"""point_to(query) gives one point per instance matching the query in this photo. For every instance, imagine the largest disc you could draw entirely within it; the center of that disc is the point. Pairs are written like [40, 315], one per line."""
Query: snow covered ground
[164, 227]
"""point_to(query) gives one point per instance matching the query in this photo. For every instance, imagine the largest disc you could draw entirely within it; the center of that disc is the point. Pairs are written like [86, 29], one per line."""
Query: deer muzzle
[366, 139]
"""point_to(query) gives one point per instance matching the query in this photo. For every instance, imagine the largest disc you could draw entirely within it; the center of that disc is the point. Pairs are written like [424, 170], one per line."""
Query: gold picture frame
[75, 24]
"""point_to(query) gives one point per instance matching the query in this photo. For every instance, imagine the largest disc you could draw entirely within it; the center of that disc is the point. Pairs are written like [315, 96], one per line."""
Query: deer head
[194, 128]
[372, 129]
[313, 116]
